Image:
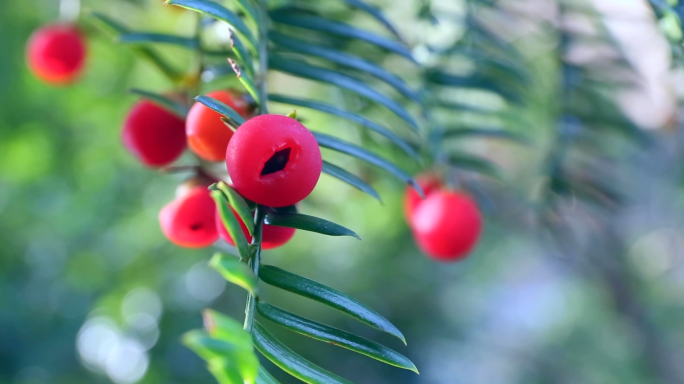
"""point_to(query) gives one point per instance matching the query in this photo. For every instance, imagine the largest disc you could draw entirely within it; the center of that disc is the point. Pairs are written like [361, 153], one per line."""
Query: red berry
[190, 220]
[154, 135]
[272, 236]
[274, 160]
[56, 53]
[430, 183]
[207, 135]
[446, 225]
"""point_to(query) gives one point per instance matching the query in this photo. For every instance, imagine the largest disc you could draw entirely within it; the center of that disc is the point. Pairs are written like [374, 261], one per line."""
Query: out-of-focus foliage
[90, 291]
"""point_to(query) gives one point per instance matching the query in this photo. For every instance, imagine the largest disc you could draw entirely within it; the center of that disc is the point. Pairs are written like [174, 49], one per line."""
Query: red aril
[56, 53]
[154, 135]
[447, 225]
[430, 183]
[207, 135]
[274, 160]
[189, 221]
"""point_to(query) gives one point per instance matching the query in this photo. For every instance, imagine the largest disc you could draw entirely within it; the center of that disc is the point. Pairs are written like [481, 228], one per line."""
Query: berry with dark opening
[274, 160]
[430, 183]
[190, 221]
[271, 237]
[56, 53]
[447, 225]
[154, 135]
[207, 135]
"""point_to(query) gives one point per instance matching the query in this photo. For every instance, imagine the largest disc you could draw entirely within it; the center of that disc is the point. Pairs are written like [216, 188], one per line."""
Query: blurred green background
[92, 292]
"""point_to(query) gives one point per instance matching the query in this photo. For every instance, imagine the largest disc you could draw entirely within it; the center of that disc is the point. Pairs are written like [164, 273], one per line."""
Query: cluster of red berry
[447, 224]
[273, 160]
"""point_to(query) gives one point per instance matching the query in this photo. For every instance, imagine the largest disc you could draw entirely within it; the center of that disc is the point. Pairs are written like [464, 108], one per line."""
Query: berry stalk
[260, 213]
[253, 262]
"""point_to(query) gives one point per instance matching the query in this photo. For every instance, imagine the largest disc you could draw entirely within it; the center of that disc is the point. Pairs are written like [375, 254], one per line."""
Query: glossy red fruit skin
[153, 135]
[56, 53]
[255, 142]
[207, 135]
[272, 236]
[429, 183]
[190, 221]
[447, 225]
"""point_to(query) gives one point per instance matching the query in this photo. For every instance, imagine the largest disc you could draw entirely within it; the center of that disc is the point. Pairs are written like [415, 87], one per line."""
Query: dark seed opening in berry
[195, 227]
[277, 162]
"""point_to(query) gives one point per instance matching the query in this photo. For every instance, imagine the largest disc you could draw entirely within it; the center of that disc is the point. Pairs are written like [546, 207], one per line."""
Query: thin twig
[253, 262]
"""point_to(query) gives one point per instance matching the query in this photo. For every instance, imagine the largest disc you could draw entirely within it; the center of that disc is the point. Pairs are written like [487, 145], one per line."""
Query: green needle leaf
[246, 81]
[302, 69]
[116, 29]
[464, 107]
[345, 59]
[333, 27]
[242, 53]
[308, 223]
[247, 7]
[219, 12]
[475, 164]
[308, 288]
[472, 81]
[265, 378]
[221, 108]
[290, 362]
[235, 272]
[334, 336]
[332, 110]
[336, 144]
[178, 109]
[230, 123]
[224, 328]
[212, 72]
[488, 62]
[160, 38]
[349, 178]
[225, 371]
[228, 362]
[377, 14]
[239, 204]
[495, 133]
[231, 222]
[207, 347]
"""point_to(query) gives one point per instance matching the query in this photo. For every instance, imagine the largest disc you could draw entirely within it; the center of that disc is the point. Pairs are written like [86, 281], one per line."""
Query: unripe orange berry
[207, 135]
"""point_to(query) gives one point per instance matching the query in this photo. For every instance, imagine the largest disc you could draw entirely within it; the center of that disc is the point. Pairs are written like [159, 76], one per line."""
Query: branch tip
[236, 68]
